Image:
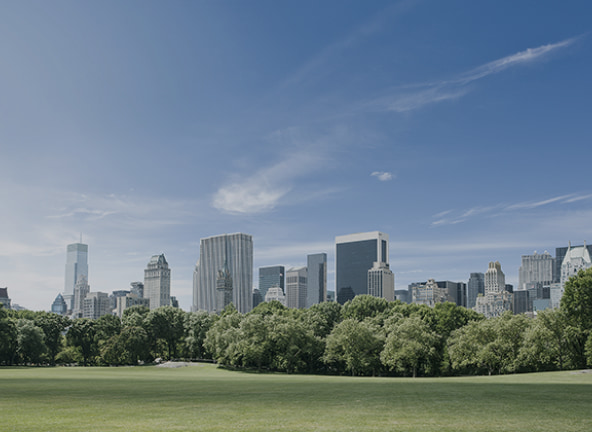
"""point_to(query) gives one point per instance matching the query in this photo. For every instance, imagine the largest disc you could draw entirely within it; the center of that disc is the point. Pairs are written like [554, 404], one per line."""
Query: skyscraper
[495, 279]
[81, 290]
[76, 266]
[237, 251]
[157, 282]
[536, 268]
[381, 281]
[223, 288]
[355, 254]
[497, 299]
[560, 255]
[271, 276]
[475, 287]
[316, 291]
[296, 287]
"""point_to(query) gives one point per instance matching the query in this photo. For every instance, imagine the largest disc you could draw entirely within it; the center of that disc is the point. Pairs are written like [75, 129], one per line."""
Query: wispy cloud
[450, 217]
[382, 175]
[416, 96]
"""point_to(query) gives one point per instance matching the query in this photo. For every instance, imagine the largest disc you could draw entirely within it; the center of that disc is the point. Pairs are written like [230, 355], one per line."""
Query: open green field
[204, 398]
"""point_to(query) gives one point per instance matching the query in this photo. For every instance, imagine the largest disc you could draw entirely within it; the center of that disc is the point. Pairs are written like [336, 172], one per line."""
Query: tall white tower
[157, 282]
[495, 280]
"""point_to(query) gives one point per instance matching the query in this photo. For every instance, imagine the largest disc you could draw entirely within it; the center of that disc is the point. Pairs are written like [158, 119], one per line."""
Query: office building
[536, 268]
[237, 251]
[497, 299]
[521, 302]
[4, 299]
[157, 282]
[455, 292]
[560, 255]
[355, 254]
[257, 298]
[95, 305]
[296, 285]
[129, 300]
[427, 293]
[81, 290]
[137, 288]
[316, 290]
[76, 266]
[475, 286]
[277, 294]
[381, 281]
[115, 294]
[271, 276]
[223, 288]
[59, 306]
[575, 259]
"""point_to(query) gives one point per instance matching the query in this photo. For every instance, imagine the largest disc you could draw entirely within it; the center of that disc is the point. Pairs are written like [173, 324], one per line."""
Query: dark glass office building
[317, 279]
[271, 276]
[354, 256]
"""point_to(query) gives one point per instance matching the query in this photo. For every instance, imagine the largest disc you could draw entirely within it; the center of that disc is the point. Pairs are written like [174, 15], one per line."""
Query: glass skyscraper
[317, 279]
[271, 276]
[76, 266]
[237, 251]
[355, 254]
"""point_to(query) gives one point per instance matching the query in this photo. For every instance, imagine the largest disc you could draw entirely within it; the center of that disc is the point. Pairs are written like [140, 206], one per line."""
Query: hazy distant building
[331, 296]
[237, 251]
[521, 302]
[114, 295]
[157, 282]
[271, 276]
[475, 286]
[4, 299]
[257, 298]
[59, 306]
[316, 291]
[455, 292]
[403, 295]
[496, 299]
[381, 281]
[560, 255]
[129, 300]
[428, 293]
[137, 288]
[275, 293]
[76, 266]
[296, 285]
[575, 259]
[536, 268]
[223, 288]
[96, 304]
[81, 290]
[355, 254]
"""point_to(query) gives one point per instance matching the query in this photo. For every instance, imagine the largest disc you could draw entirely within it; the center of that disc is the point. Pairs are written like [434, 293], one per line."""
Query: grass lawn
[204, 398]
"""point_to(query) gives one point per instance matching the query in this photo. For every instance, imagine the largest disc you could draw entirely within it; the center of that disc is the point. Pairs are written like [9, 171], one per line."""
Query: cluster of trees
[366, 336]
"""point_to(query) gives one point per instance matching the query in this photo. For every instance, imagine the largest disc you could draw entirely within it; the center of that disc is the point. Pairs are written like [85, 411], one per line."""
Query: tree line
[365, 336]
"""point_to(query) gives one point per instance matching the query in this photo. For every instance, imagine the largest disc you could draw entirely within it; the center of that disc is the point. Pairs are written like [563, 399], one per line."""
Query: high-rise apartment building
[277, 294]
[475, 286]
[355, 254]
[495, 279]
[81, 290]
[497, 298]
[95, 305]
[296, 286]
[381, 281]
[536, 268]
[560, 255]
[271, 276]
[237, 251]
[76, 266]
[157, 282]
[316, 291]
[575, 259]
[137, 288]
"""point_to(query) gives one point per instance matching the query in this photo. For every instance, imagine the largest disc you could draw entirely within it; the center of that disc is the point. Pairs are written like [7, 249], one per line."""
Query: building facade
[575, 259]
[157, 282]
[428, 293]
[296, 287]
[76, 266]
[381, 281]
[496, 299]
[271, 276]
[536, 268]
[316, 291]
[223, 288]
[355, 254]
[81, 290]
[128, 301]
[237, 251]
[59, 306]
[4, 299]
[96, 304]
[475, 286]
[277, 294]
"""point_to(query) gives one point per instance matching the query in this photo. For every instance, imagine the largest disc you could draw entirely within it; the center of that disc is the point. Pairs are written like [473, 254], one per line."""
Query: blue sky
[462, 129]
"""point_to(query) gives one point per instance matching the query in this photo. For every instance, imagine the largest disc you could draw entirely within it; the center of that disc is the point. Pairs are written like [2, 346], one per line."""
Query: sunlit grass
[204, 398]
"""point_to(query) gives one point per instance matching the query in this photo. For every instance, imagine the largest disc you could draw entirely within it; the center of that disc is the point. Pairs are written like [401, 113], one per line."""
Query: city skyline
[419, 119]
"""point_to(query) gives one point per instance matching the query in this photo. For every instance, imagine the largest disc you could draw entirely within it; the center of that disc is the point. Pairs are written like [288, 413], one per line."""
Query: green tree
[135, 316]
[53, 326]
[8, 338]
[196, 326]
[321, 318]
[410, 346]
[545, 344]
[167, 323]
[223, 339]
[81, 334]
[576, 303]
[355, 347]
[30, 341]
[364, 306]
